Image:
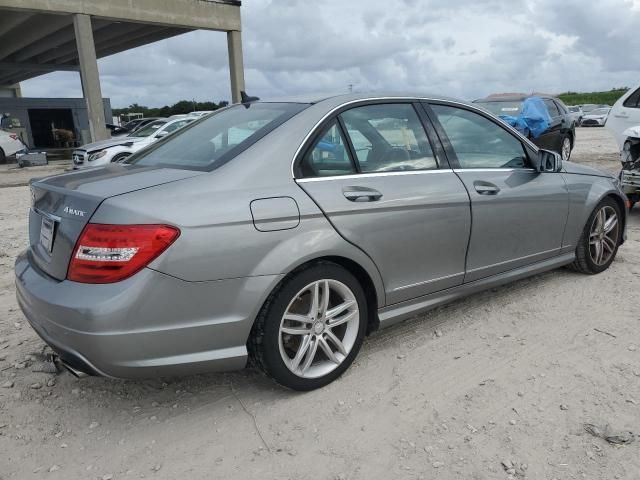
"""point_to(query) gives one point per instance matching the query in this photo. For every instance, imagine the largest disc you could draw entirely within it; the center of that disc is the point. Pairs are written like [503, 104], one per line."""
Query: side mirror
[548, 161]
[161, 134]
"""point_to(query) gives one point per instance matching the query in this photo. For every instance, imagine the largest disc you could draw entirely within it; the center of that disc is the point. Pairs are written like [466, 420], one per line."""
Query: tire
[565, 148]
[120, 157]
[3, 157]
[585, 252]
[268, 345]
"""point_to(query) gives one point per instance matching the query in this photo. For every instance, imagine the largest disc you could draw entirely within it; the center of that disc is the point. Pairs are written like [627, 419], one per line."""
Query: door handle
[361, 194]
[486, 188]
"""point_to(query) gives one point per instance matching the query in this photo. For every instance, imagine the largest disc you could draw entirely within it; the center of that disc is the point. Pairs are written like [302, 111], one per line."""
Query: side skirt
[401, 311]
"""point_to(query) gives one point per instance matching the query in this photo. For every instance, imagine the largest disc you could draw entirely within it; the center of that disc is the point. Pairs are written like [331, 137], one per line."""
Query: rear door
[551, 139]
[518, 214]
[374, 173]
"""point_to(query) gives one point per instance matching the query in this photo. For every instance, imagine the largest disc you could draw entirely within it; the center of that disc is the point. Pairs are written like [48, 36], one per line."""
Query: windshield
[219, 137]
[574, 109]
[502, 108]
[599, 111]
[148, 130]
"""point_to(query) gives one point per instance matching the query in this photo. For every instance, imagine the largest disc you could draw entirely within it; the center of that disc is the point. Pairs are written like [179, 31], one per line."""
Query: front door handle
[361, 194]
[486, 188]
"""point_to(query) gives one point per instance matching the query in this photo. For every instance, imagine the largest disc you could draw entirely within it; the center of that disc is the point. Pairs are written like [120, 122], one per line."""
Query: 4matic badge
[73, 211]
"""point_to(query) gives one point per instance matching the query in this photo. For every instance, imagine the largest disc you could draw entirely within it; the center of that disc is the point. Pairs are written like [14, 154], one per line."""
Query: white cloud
[462, 48]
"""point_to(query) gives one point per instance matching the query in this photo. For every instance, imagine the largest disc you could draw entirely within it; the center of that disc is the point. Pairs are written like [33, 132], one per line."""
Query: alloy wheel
[319, 328]
[603, 236]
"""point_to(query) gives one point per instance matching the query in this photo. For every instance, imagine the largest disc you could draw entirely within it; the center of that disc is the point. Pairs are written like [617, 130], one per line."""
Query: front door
[373, 173]
[518, 214]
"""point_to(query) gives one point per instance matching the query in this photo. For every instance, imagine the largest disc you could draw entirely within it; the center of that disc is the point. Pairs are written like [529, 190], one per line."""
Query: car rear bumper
[149, 325]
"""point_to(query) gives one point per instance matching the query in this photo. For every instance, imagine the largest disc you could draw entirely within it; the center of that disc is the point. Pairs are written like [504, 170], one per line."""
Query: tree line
[181, 107]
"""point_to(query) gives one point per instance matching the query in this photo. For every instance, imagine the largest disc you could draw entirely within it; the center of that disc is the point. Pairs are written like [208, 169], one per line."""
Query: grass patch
[606, 98]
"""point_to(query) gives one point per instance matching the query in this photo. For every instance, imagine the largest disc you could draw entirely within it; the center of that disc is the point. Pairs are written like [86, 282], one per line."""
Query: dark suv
[561, 133]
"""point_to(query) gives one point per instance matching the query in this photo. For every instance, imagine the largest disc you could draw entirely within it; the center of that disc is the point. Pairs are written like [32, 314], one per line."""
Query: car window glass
[388, 137]
[175, 126]
[551, 107]
[478, 142]
[219, 137]
[148, 130]
[561, 108]
[633, 101]
[329, 155]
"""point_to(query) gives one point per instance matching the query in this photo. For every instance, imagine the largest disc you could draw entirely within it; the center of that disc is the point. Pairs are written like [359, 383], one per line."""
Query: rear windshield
[502, 108]
[215, 139]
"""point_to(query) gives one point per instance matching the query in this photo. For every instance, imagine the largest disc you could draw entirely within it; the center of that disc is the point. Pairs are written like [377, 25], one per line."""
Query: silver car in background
[287, 231]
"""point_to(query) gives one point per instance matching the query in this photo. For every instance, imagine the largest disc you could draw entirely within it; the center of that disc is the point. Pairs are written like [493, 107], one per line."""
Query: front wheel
[311, 328]
[600, 239]
[121, 157]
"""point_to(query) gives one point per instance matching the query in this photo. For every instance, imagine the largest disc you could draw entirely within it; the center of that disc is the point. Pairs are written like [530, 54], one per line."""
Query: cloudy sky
[461, 48]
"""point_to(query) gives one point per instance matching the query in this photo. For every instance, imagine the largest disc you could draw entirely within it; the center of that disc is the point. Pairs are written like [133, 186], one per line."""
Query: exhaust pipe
[75, 372]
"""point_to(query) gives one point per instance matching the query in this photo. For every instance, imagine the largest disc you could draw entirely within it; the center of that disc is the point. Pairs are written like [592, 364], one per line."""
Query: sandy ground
[509, 375]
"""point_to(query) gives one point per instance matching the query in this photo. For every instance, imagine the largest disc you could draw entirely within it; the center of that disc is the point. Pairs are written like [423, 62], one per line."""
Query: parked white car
[595, 118]
[576, 113]
[624, 114]
[10, 144]
[102, 153]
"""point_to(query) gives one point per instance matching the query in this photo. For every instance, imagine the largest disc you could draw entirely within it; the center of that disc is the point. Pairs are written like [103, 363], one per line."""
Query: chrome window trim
[401, 98]
[372, 174]
[462, 170]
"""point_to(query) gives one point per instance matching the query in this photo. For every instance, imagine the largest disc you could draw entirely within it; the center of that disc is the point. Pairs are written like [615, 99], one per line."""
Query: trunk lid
[63, 205]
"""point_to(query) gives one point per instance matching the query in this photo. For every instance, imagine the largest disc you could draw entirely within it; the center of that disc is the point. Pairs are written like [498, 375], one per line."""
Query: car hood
[596, 116]
[577, 169]
[112, 142]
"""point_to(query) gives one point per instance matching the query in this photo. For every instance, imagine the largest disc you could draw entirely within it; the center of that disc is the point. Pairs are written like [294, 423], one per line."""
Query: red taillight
[110, 253]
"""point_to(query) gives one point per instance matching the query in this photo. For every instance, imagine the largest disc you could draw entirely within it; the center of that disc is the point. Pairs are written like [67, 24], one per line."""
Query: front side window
[551, 107]
[177, 125]
[388, 138]
[218, 137]
[329, 155]
[478, 142]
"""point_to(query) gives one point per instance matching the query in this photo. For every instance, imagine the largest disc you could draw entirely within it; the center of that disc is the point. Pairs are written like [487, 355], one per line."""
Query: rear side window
[388, 138]
[216, 139]
[329, 155]
[478, 142]
[633, 101]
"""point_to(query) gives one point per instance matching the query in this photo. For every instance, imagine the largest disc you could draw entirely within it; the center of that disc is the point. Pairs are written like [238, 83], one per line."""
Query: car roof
[510, 98]
[338, 99]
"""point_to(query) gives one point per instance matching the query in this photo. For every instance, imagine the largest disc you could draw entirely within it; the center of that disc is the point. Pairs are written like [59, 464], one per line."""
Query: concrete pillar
[90, 77]
[236, 67]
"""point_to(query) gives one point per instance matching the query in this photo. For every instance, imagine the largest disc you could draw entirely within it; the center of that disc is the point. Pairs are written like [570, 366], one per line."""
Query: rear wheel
[600, 239]
[311, 328]
[3, 157]
[565, 148]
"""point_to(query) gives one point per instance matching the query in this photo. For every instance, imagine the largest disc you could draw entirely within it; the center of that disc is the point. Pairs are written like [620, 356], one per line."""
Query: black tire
[120, 157]
[583, 262]
[263, 344]
[3, 157]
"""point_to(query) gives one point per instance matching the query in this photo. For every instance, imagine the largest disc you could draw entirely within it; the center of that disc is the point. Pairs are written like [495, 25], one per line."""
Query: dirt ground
[505, 377]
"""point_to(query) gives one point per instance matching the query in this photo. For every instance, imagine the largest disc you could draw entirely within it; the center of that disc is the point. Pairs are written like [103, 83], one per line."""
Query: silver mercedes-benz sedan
[286, 231]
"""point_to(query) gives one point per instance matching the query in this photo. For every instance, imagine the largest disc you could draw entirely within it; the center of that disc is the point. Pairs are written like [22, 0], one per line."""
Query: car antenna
[246, 99]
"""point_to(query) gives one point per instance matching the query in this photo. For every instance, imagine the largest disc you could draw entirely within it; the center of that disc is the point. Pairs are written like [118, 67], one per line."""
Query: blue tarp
[533, 119]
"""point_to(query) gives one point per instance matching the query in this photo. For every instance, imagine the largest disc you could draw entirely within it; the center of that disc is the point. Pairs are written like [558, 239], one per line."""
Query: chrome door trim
[513, 260]
[400, 98]
[428, 281]
[371, 174]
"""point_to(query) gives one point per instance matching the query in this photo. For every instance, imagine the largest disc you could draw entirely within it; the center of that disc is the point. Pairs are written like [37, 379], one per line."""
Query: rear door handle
[484, 188]
[361, 194]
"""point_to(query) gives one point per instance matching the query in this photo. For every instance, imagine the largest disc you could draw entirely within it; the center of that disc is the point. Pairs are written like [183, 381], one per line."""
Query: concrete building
[38, 120]
[42, 36]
